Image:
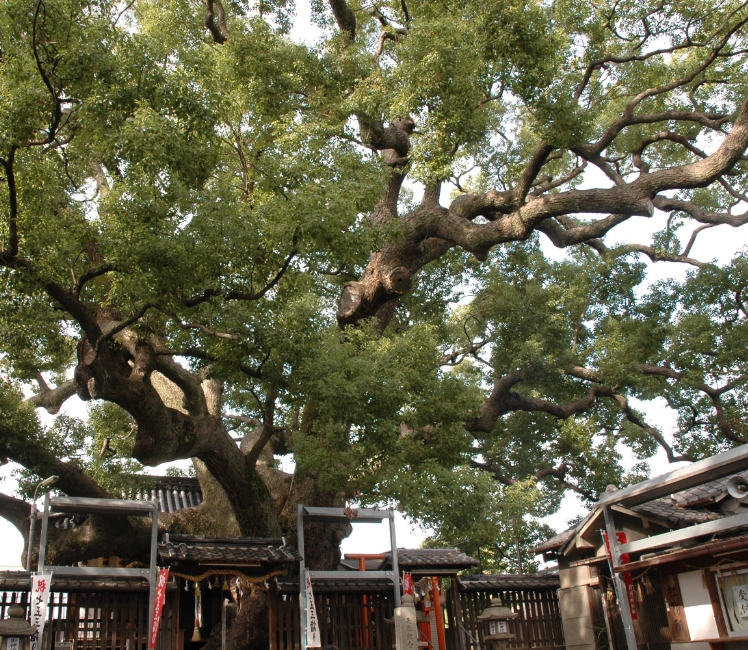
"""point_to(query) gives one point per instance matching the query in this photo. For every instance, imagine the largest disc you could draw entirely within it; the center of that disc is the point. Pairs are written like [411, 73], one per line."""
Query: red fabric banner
[408, 583]
[158, 605]
[627, 579]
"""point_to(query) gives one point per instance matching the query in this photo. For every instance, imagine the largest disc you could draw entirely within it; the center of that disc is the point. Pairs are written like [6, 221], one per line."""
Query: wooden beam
[685, 534]
[708, 548]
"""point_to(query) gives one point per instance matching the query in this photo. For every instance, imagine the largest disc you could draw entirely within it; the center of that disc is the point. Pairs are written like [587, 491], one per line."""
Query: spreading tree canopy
[235, 246]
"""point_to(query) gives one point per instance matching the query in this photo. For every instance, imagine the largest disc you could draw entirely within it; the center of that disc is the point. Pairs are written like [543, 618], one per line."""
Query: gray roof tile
[677, 516]
[226, 550]
[290, 584]
[430, 558]
[507, 581]
[706, 493]
[555, 542]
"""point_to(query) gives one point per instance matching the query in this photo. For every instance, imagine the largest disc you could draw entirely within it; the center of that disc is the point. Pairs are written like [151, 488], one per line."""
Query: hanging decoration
[246, 581]
[198, 613]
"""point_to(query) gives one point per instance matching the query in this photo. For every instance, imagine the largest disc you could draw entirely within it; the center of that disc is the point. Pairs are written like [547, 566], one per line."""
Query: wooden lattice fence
[538, 625]
[103, 620]
[347, 620]
[350, 619]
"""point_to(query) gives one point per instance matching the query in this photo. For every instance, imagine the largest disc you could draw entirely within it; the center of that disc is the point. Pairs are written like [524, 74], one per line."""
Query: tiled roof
[682, 509]
[665, 510]
[226, 550]
[555, 542]
[19, 580]
[706, 493]
[430, 558]
[172, 493]
[290, 584]
[507, 581]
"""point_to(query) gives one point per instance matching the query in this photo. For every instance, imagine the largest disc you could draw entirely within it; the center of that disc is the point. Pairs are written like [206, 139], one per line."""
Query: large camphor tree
[235, 245]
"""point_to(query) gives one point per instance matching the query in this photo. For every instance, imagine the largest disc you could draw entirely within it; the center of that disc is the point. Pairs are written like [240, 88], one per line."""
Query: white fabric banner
[40, 587]
[312, 625]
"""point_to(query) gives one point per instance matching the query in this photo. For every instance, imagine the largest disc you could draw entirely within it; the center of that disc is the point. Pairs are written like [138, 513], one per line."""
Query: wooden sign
[676, 615]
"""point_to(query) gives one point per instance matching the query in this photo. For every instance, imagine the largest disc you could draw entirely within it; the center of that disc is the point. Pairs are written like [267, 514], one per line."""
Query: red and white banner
[158, 605]
[626, 575]
[408, 583]
[40, 587]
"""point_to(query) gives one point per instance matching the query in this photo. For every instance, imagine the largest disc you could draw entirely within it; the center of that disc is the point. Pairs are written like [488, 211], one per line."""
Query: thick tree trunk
[99, 537]
[321, 541]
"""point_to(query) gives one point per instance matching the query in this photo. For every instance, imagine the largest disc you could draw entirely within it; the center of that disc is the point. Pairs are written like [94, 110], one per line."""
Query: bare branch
[550, 184]
[57, 106]
[268, 428]
[8, 256]
[52, 399]
[699, 214]
[344, 16]
[17, 512]
[243, 419]
[220, 31]
[559, 473]
[695, 234]
[636, 419]
[654, 255]
[457, 356]
[90, 275]
[238, 295]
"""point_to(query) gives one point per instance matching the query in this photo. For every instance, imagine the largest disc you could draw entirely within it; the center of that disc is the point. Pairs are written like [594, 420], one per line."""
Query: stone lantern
[15, 631]
[494, 619]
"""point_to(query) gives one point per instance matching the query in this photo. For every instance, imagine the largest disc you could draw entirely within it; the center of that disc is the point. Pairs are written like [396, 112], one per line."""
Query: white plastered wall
[697, 605]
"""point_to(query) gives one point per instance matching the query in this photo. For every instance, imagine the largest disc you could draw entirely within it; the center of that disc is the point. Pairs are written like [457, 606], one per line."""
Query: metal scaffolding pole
[623, 596]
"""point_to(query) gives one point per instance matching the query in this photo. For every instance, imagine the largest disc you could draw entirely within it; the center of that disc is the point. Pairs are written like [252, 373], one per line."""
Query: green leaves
[229, 188]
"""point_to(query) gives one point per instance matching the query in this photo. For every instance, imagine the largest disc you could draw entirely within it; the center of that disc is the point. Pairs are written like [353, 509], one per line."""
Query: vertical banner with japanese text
[40, 586]
[312, 625]
[158, 605]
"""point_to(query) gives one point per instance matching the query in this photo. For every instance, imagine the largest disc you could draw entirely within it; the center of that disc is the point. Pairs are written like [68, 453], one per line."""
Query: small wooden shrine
[676, 575]
[216, 571]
